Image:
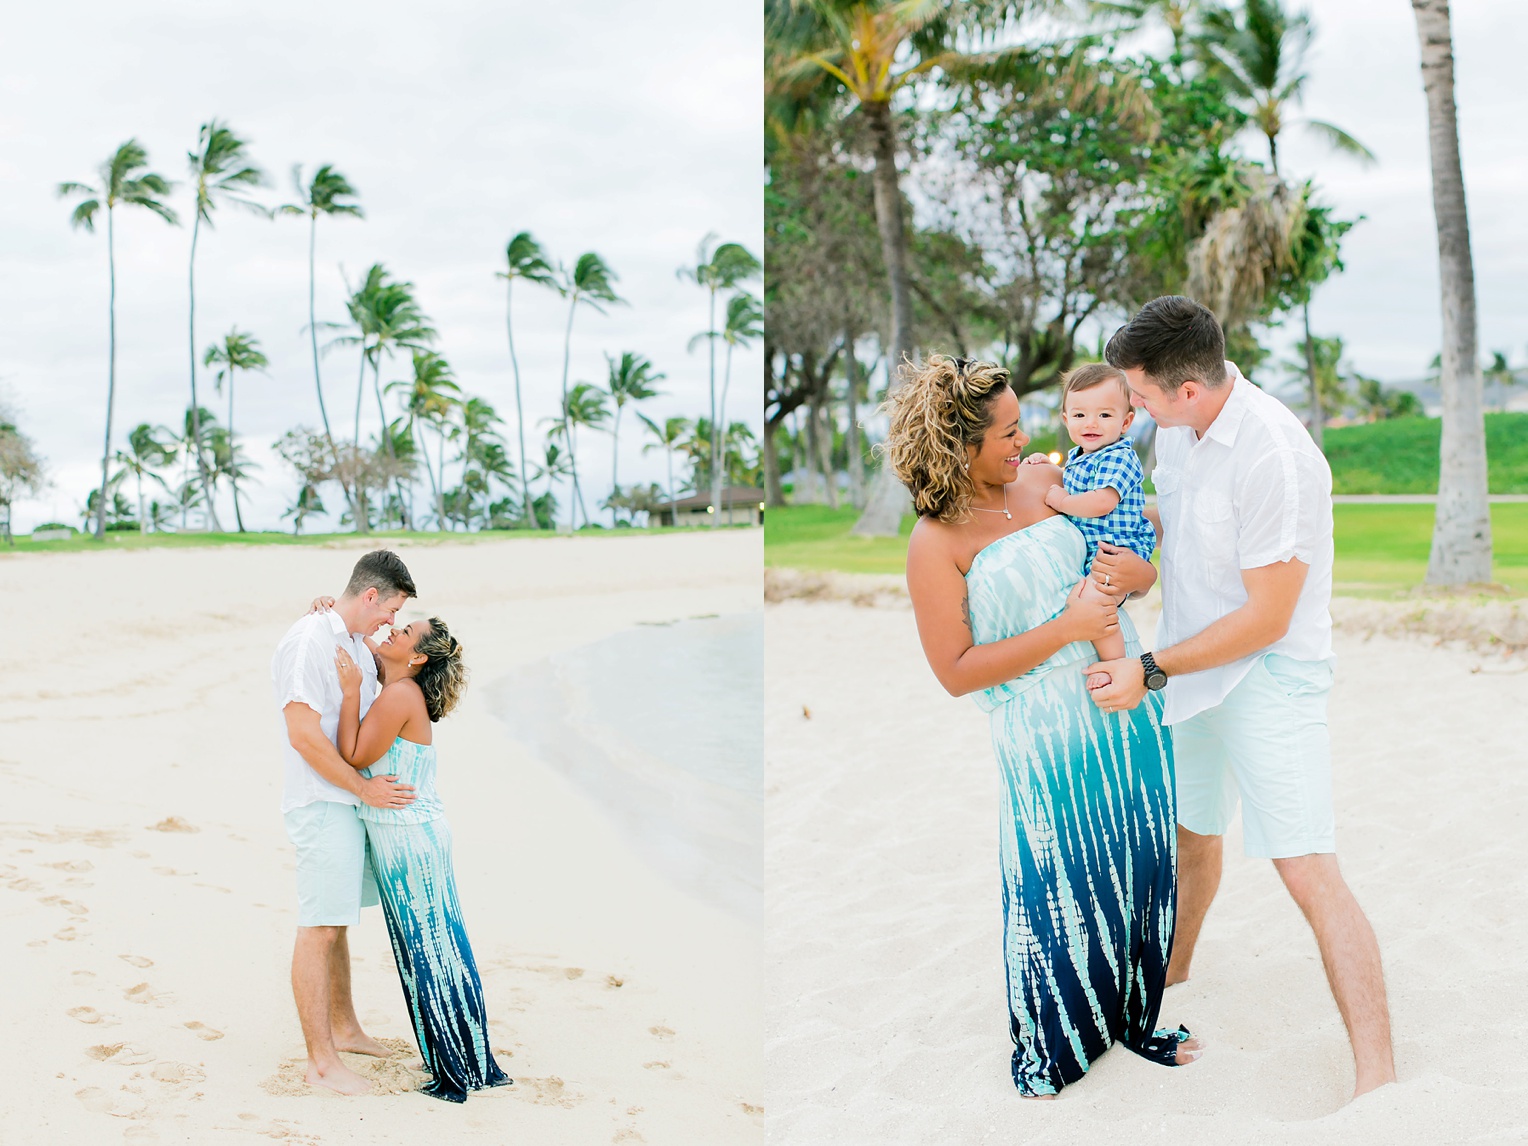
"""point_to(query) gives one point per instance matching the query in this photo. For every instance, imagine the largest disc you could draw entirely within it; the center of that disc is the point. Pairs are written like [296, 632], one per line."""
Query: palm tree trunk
[615, 461]
[774, 491]
[668, 452]
[210, 510]
[142, 525]
[851, 412]
[888, 499]
[1317, 413]
[721, 431]
[1461, 541]
[233, 478]
[360, 392]
[716, 488]
[514, 361]
[318, 381]
[440, 460]
[111, 377]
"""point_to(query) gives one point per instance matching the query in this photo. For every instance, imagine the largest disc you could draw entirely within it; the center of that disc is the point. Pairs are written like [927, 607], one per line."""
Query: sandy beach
[147, 904]
[882, 954]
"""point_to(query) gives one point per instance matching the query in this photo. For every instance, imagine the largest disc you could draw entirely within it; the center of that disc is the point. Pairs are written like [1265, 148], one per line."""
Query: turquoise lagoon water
[662, 727]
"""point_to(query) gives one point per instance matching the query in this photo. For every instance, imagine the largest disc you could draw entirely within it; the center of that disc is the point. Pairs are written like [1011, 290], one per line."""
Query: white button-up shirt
[303, 670]
[1253, 491]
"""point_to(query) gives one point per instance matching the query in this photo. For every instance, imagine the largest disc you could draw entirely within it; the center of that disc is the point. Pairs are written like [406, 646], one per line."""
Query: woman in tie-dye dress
[1086, 832]
[410, 851]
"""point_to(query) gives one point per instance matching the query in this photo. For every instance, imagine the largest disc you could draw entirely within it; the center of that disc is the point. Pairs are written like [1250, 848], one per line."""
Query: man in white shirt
[1244, 647]
[319, 797]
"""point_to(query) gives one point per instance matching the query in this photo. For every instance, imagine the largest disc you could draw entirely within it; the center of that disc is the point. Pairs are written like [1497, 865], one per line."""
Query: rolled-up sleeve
[1280, 506]
[302, 672]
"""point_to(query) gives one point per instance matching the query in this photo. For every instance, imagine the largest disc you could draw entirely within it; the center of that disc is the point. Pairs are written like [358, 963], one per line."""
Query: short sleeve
[1281, 507]
[1118, 469]
[302, 671]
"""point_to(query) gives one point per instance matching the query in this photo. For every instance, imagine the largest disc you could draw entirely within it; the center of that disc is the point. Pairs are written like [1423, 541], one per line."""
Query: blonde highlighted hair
[939, 409]
[443, 677]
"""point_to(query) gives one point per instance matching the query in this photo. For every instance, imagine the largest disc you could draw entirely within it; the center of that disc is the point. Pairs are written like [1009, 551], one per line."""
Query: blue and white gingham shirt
[1113, 467]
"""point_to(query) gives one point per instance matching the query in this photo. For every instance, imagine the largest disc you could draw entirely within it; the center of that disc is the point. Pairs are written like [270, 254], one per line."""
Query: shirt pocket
[1214, 521]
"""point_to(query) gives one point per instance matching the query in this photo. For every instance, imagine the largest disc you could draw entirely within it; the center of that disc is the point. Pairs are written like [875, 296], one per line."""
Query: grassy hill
[1401, 455]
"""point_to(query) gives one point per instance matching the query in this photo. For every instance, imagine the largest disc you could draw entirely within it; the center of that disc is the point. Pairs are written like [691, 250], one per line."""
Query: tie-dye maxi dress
[1088, 840]
[410, 853]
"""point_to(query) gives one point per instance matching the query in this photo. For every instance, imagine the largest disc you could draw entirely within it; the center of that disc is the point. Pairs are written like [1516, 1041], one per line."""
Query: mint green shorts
[1265, 744]
[334, 876]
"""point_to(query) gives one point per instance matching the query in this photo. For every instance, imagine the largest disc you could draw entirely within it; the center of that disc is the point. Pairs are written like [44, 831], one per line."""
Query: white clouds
[629, 131]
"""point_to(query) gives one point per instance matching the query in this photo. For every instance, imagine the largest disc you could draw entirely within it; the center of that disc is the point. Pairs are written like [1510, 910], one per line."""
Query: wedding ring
[1106, 578]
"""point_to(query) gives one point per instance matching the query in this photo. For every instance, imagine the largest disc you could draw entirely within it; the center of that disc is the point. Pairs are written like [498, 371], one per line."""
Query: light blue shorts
[334, 876]
[1266, 743]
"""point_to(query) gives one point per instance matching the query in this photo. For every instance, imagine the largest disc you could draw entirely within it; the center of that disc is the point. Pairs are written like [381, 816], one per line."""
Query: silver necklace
[1003, 511]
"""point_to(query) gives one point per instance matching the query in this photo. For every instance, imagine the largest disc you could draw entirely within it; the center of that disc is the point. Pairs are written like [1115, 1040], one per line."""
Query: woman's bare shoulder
[931, 540]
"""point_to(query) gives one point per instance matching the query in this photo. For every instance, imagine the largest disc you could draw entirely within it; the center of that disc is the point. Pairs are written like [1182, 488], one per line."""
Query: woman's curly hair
[939, 409]
[443, 677]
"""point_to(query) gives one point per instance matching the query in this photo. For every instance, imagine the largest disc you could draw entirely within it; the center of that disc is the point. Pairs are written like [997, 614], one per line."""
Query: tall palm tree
[123, 181]
[236, 352]
[591, 281]
[584, 406]
[725, 268]
[478, 422]
[325, 194]
[148, 448]
[1461, 541]
[667, 437]
[221, 172]
[525, 260]
[553, 465]
[428, 400]
[631, 379]
[744, 323]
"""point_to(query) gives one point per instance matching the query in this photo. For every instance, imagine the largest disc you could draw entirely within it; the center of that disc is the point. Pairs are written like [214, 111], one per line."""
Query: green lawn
[1381, 549]
[1401, 455]
[84, 543]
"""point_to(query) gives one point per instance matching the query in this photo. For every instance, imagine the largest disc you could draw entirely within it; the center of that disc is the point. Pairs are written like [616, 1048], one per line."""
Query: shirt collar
[336, 624]
[1228, 421]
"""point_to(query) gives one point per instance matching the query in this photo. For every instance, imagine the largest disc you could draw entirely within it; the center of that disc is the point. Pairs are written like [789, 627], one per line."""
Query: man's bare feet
[338, 1078]
[1189, 1051]
[360, 1042]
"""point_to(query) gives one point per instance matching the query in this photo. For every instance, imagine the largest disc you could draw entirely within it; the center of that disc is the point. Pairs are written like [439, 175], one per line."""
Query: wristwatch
[1156, 679]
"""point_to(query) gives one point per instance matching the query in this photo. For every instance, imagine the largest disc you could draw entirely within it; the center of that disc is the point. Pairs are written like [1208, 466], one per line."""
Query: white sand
[146, 890]
[887, 1021]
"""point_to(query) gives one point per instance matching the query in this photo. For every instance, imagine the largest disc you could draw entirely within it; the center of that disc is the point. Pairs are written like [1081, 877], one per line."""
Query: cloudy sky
[630, 130]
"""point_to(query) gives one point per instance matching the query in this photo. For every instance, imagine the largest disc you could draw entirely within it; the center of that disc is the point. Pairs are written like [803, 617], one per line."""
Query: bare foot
[1099, 680]
[338, 1078]
[1173, 980]
[361, 1043]
[1038, 1097]
[1189, 1051]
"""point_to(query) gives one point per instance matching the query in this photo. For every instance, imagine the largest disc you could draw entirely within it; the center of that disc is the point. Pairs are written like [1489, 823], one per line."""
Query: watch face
[1156, 681]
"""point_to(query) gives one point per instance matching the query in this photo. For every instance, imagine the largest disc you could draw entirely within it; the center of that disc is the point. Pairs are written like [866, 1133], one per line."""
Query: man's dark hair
[383, 571]
[1173, 339]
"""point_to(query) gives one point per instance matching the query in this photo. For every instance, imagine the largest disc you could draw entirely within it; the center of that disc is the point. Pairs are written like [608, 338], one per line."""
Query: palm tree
[553, 465]
[591, 281]
[428, 399]
[324, 194]
[120, 183]
[631, 380]
[722, 269]
[585, 406]
[525, 260]
[194, 439]
[667, 437]
[478, 420]
[1174, 14]
[744, 323]
[1461, 541]
[237, 352]
[220, 172]
[147, 450]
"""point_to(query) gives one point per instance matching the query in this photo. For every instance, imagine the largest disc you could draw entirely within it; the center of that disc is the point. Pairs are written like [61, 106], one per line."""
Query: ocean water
[662, 727]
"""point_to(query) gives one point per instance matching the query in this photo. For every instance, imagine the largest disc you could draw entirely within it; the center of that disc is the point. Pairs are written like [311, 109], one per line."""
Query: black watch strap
[1155, 679]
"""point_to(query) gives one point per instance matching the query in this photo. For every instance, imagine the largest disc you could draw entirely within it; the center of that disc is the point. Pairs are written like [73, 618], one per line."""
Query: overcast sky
[630, 130]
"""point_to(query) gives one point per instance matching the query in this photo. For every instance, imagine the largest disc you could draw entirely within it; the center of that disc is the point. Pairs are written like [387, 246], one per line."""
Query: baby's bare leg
[1110, 648]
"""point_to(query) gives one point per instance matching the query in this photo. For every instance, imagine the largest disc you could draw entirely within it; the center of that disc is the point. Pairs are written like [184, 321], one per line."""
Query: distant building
[746, 507]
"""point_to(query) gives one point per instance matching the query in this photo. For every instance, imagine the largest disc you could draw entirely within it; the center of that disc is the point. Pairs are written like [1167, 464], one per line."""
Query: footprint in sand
[121, 1104]
[178, 1073]
[660, 1032]
[136, 960]
[573, 972]
[173, 824]
[170, 871]
[72, 865]
[143, 993]
[549, 1091]
[21, 883]
[68, 905]
[82, 978]
[657, 1065]
[750, 1108]
[67, 934]
[612, 982]
[123, 1054]
[84, 1014]
[203, 1031]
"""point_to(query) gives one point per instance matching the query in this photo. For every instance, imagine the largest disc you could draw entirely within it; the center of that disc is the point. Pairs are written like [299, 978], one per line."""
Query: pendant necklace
[1003, 511]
